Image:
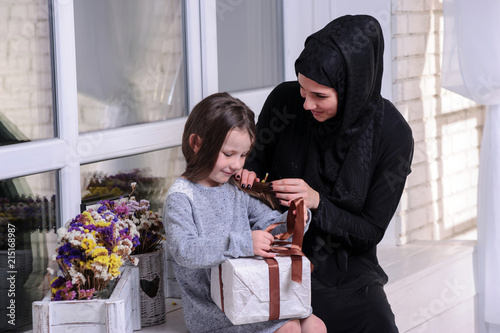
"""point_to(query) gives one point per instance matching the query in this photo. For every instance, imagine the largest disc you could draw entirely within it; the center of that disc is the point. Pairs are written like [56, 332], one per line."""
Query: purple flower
[121, 210]
[58, 296]
[58, 282]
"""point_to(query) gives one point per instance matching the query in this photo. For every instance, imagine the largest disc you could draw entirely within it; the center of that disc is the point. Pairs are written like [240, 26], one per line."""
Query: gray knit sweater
[204, 226]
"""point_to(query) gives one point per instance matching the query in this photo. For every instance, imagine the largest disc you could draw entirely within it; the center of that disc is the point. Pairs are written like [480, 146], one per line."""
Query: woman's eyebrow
[315, 92]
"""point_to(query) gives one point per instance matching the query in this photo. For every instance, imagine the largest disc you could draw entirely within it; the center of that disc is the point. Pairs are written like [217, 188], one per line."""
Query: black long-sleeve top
[342, 238]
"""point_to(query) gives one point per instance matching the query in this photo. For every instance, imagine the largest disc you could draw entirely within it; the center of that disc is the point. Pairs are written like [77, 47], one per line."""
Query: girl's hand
[290, 188]
[262, 241]
[246, 177]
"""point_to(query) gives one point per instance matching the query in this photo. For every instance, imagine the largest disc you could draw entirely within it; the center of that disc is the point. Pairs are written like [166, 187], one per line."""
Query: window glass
[249, 44]
[153, 172]
[26, 111]
[129, 57]
[28, 240]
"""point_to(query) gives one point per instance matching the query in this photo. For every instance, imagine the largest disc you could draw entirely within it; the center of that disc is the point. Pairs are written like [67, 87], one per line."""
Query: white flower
[135, 261]
[61, 233]
[50, 270]
[122, 201]
[78, 278]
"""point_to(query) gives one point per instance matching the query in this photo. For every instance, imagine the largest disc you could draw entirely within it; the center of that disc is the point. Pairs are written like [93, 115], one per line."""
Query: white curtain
[471, 67]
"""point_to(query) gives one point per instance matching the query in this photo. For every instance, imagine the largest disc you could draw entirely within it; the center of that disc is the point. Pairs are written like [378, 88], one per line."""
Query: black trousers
[361, 310]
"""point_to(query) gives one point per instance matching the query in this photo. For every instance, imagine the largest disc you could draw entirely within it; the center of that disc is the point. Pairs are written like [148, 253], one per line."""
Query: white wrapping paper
[245, 284]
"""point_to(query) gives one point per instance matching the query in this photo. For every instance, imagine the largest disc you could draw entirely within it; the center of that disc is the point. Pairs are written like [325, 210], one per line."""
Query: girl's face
[231, 158]
[321, 100]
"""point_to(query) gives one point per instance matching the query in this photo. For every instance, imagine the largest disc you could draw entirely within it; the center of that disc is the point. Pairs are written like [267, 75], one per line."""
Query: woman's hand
[290, 188]
[246, 177]
[262, 241]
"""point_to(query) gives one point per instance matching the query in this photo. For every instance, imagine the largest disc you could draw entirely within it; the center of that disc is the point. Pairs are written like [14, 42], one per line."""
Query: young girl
[208, 219]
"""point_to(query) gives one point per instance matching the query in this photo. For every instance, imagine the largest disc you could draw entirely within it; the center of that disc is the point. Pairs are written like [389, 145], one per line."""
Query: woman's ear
[195, 142]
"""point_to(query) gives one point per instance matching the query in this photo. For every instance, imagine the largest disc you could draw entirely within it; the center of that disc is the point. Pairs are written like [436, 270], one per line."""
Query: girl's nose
[237, 164]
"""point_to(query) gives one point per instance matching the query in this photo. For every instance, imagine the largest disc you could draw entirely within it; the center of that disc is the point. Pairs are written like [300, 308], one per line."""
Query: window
[129, 61]
[249, 44]
[153, 172]
[25, 73]
[27, 225]
[87, 87]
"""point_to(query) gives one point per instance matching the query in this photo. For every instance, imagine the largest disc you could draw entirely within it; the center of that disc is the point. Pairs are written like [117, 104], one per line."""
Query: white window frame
[70, 149]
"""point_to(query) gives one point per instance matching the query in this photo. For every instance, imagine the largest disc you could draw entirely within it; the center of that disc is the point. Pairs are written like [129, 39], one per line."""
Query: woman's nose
[309, 104]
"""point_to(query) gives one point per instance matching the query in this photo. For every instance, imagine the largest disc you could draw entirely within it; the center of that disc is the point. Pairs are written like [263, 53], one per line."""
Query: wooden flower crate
[118, 314]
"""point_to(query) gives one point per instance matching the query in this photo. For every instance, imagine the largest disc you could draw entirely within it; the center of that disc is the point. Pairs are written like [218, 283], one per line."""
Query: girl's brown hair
[211, 120]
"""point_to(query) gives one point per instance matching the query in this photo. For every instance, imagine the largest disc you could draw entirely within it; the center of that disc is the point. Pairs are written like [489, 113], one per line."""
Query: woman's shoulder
[395, 125]
[285, 91]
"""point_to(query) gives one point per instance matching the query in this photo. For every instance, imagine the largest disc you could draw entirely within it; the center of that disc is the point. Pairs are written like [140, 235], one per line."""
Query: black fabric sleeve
[360, 232]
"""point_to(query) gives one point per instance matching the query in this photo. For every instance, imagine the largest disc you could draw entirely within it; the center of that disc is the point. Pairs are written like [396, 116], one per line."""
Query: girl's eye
[227, 154]
[322, 96]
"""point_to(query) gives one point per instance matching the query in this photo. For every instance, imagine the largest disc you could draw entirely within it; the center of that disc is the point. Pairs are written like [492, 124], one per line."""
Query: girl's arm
[261, 216]
[188, 248]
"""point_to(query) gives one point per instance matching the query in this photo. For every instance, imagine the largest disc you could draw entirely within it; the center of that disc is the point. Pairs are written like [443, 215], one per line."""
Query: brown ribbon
[295, 226]
[274, 288]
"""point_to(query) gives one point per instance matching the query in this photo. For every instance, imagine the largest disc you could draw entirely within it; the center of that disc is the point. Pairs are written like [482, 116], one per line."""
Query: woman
[332, 139]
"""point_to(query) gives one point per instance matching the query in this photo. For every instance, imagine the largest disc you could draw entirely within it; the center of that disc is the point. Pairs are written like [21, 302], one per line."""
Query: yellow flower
[102, 224]
[88, 245]
[114, 265]
[88, 218]
[99, 251]
[102, 260]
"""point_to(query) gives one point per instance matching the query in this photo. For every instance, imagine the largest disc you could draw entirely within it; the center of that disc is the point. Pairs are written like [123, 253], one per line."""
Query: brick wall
[439, 201]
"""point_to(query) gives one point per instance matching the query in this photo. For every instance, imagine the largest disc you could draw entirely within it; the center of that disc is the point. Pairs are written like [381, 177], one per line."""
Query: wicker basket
[151, 288]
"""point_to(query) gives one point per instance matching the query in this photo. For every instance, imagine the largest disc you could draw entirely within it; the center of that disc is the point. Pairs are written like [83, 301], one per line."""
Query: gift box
[256, 289]
[240, 288]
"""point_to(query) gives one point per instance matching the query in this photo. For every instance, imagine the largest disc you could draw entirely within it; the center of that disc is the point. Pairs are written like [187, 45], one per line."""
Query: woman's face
[321, 100]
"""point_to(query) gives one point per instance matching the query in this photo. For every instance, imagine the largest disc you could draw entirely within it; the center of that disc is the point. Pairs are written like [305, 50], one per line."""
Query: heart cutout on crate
[150, 288]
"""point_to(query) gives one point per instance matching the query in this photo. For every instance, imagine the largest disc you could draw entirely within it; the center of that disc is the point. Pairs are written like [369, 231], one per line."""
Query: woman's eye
[227, 154]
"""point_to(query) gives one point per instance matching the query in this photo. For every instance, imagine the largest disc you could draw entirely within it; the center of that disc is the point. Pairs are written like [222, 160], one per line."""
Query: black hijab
[347, 55]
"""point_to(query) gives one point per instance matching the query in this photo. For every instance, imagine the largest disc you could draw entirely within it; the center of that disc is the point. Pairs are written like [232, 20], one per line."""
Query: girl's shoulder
[192, 189]
[183, 186]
